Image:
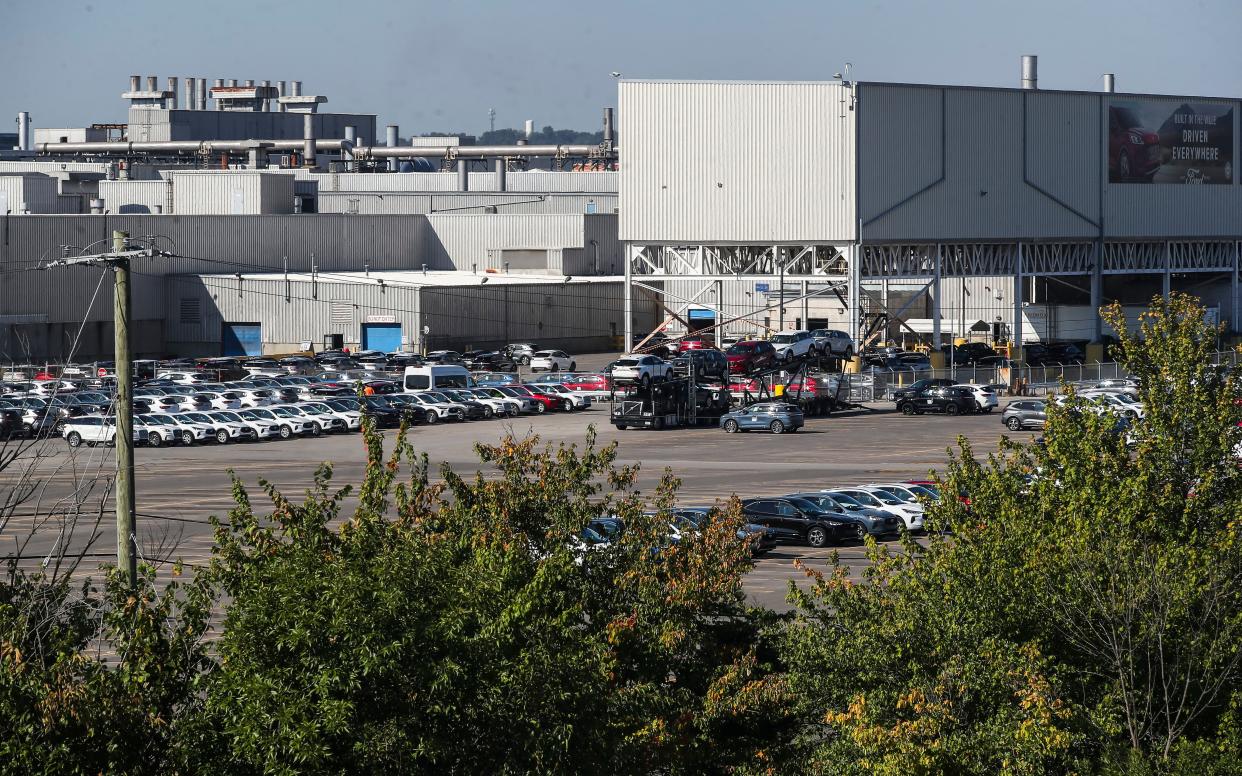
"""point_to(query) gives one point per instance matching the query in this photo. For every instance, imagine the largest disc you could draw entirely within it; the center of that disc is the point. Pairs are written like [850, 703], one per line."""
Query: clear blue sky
[440, 65]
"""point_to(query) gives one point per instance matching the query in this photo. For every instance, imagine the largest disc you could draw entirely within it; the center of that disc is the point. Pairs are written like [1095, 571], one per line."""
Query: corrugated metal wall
[751, 163]
[232, 193]
[313, 310]
[525, 181]
[158, 124]
[1017, 165]
[29, 193]
[136, 196]
[579, 317]
[401, 202]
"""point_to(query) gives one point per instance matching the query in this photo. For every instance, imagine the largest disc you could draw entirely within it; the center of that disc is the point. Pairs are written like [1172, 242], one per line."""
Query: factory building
[1033, 207]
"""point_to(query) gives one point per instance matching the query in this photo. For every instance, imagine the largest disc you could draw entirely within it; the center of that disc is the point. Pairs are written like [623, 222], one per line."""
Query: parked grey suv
[1021, 415]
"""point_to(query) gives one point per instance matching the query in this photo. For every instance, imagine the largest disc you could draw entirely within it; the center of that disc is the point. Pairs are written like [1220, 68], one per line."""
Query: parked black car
[797, 519]
[11, 424]
[1021, 415]
[950, 401]
[708, 363]
[488, 361]
[1066, 353]
[969, 353]
[914, 388]
[861, 520]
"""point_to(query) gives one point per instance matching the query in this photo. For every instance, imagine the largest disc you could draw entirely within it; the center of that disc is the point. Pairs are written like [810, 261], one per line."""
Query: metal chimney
[135, 83]
[23, 131]
[1030, 71]
[463, 175]
[501, 166]
[529, 128]
[153, 83]
[219, 83]
[232, 82]
[266, 85]
[200, 93]
[171, 103]
[249, 82]
[351, 136]
[295, 88]
[608, 126]
[308, 146]
[1110, 83]
[280, 92]
[391, 138]
[189, 92]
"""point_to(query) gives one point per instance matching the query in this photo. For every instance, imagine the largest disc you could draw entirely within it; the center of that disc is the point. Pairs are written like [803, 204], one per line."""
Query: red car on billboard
[1134, 152]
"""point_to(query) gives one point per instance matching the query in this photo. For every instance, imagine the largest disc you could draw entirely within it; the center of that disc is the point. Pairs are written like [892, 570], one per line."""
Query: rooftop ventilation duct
[1030, 71]
[1110, 83]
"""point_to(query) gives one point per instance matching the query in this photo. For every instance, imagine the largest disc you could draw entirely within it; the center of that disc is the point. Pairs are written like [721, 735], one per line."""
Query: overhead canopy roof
[925, 325]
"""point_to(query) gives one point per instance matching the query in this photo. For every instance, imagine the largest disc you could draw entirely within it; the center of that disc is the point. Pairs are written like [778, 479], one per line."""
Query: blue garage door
[384, 337]
[242, 339]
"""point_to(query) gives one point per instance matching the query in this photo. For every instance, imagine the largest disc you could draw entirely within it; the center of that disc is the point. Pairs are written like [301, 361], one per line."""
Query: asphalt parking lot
[179, 488]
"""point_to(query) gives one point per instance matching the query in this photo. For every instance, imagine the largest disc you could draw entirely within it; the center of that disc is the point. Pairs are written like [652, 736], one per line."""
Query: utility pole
[118, 259]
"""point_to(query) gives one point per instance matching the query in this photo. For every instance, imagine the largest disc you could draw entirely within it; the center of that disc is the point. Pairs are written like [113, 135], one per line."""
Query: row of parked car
[816, 518]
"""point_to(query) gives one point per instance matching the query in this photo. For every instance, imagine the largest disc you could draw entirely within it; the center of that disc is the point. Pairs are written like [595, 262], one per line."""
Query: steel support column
[628, 302]
[936, 340]
[1236, 320]
[1097, 293]
[1166, 286]
[1018, 292]
[854, 291]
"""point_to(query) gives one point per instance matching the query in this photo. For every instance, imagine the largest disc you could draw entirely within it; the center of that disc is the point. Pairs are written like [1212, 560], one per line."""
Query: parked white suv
[552, 361]
[640, 369]
[877, 498]
[833, 341]
[796, 343]
[94, 430]
[161, 430]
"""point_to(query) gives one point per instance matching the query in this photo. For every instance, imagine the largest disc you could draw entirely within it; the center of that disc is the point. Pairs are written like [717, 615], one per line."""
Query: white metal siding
[508, 203]
[462, 241]
[725, 162]
[29, 193]
[135, 196]
[232, 193]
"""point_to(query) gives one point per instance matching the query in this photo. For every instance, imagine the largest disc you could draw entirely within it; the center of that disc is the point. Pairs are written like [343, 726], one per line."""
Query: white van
[435, 377]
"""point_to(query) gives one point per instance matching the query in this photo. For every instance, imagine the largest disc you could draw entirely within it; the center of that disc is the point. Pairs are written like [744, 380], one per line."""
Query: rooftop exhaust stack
[171, 103]
[529, 128]
[351, 136]
[153, 83]
[392, 143]
[608, 126]
[280, 92]
[1030, 71]
[23, 131]
[200, 93]
[308, 146]
[295, 88]
[219, 105]
[1110, 83]
[266, 102]
[232, 82]
[135, 83]
[190, 102]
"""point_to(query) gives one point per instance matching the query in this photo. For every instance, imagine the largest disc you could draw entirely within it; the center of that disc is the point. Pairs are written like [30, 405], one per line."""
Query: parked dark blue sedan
[775, 416]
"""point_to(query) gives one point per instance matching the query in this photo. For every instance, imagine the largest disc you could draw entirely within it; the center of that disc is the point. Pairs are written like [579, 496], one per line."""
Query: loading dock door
[384, 337]
[701, 319]
[242, 339]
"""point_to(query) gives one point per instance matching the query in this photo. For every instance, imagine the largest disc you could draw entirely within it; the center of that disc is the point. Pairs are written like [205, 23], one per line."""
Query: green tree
[1084, 615]
[464, 628]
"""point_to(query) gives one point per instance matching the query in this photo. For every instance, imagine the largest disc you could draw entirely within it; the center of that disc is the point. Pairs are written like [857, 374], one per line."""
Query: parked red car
[695, 342]
[749, 355]
[587, 383]
[549, 402]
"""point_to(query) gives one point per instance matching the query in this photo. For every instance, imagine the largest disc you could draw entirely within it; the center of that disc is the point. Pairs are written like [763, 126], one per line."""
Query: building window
[191, 310]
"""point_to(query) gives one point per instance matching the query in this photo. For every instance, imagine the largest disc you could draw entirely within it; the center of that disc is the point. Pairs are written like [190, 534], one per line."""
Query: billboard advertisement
[1153, 141]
